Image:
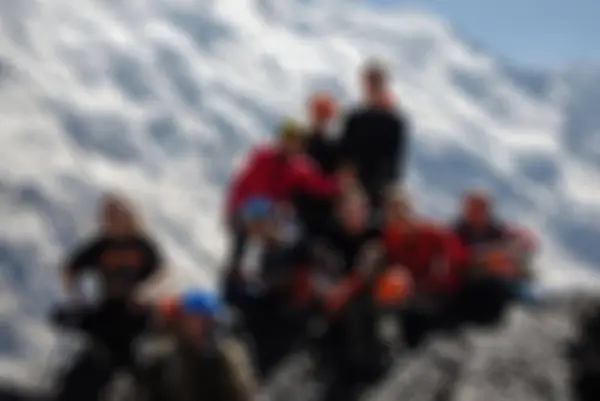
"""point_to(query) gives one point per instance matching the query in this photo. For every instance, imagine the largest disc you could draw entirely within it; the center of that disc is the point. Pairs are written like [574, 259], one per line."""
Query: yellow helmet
[291, 129]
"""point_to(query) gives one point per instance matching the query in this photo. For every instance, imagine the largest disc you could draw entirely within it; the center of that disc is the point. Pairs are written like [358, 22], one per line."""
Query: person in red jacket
[276, 172]
[435, 260]
[432, 254]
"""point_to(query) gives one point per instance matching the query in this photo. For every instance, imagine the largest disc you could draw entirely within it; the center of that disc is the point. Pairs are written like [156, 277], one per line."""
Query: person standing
[314, 212]
[374, 136]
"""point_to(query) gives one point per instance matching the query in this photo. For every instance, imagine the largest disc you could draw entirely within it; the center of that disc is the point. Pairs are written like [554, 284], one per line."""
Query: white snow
[160, 99]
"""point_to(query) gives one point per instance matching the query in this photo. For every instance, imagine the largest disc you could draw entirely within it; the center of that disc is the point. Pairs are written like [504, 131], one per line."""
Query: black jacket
[314, 212]
[323, 150]
[492, 235]
[375, 141]
[122, 263]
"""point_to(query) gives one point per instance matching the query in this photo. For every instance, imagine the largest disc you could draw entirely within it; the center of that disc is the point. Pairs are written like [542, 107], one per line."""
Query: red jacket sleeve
[451, 259]
[240, 181]
[308, 177]
[525, 238]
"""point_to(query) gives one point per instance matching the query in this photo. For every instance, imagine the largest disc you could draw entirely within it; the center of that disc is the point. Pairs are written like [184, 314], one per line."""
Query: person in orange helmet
[314, 212]
[323, 108]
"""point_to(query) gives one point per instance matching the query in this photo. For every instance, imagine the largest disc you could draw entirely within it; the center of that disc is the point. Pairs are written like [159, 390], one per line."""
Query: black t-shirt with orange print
[122, 263]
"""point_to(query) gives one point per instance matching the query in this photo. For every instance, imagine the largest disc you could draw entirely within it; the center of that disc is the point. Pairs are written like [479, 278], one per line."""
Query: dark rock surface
[526, 359]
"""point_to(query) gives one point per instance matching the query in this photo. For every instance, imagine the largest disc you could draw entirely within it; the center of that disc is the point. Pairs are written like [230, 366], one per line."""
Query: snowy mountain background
[162, 98]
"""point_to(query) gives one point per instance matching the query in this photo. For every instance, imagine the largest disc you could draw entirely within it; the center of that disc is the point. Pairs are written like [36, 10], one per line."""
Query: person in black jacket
[374, 136]
[315, 212]
[123, 259]
[322, 109]
[488, 242]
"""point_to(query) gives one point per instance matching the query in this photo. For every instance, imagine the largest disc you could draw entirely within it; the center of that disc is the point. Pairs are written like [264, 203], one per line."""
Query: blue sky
[534, 32]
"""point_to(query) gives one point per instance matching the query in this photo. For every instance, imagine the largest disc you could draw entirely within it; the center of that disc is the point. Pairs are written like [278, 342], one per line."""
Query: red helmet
[322, 106]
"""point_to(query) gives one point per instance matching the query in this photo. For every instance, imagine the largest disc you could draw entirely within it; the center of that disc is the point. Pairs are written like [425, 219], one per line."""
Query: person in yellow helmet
[274, 173]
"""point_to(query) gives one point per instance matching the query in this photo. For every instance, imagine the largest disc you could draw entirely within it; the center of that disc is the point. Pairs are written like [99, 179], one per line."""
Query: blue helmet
[257, 209]
[202, 303]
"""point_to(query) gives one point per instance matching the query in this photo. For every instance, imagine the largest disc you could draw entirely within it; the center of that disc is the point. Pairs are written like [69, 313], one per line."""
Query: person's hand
[499, 263]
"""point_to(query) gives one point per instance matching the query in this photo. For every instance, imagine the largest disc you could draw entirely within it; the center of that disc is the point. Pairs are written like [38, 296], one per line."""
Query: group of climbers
[321, 228]
[356, 230]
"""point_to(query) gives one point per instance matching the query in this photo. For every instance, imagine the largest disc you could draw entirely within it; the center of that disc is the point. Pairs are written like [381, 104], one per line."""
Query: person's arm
[154, 272]
[523, 249]
[84, 257]
[241, 379]
[345, 144]
[309, 178]
[302, 274]
[369, 261]
[236, 190]
[394, 162]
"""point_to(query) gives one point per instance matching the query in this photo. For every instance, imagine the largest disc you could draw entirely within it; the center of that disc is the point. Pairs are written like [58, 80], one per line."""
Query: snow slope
[161, 98]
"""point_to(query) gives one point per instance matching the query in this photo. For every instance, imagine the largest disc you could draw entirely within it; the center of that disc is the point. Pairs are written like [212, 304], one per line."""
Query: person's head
[291, 135]
[117, 217]
[374, 77]
[477, 208]
[258, 214]
[199, 311]
[398, 208]
[354, 211]
[322, 108]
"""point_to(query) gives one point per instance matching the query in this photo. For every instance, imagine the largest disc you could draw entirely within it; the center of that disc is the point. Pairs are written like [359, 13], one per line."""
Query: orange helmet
[393, 287]
[322, 106]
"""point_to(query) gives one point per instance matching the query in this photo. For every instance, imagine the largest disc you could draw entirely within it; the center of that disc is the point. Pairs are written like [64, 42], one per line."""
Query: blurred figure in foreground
[203, 360]
[374, 137]
[123, 258]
